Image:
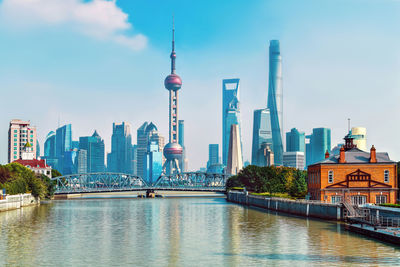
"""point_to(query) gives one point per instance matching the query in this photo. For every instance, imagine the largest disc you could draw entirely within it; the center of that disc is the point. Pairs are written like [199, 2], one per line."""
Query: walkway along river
[177, 232]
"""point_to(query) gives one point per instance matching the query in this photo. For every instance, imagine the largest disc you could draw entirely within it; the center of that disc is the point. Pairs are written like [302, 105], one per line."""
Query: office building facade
[120, 157]
[294, 159]
[153, 163]
[295, 141]
[319, 143]
[94, 147]
[63, 144]
[275, 100]
[262, 134]
[19, 134]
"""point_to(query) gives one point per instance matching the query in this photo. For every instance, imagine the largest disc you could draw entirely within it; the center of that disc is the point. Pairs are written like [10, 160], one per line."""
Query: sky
[94, 62]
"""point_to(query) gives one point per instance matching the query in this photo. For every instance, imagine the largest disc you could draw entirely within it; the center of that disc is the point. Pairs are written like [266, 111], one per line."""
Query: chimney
[372, 158]
[342, 157]
[326, 154]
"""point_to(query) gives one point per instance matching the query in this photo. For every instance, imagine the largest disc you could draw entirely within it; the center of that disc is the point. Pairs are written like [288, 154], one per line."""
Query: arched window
[330, 177]
[386, 176]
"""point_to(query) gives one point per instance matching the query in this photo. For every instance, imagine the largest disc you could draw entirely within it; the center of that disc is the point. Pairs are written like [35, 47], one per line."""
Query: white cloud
[101, 19]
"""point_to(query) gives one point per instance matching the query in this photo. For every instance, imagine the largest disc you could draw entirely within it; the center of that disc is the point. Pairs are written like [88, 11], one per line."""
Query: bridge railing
[109, 182]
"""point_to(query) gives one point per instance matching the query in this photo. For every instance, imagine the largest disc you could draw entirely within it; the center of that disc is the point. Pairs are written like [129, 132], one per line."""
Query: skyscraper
[94, 146]
[20, 133]
[183, 163]
[234, 161]
[295, 141]
[261, 134]
[294, 159]
[230, 113]
[120, 158]
[213, 154]
[320, 142]
[275, 100]
[81, 161]
[146, 133]
[173, 150]
[153, 163]
[49, 148]
[134, 160]
[63, 144]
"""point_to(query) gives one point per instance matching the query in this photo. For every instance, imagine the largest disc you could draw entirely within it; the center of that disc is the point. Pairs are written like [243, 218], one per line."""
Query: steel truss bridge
[117, 182]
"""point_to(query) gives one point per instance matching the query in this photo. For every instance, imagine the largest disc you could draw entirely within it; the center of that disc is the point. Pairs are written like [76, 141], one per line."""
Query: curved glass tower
[275, 100]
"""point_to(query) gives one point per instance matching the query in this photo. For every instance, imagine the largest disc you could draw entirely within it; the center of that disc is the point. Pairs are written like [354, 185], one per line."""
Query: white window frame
[379, 199]
[386, 176]
[336, 199]
[330, 177]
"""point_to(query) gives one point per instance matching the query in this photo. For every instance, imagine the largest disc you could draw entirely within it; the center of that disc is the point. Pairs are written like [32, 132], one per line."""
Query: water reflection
[177, 232]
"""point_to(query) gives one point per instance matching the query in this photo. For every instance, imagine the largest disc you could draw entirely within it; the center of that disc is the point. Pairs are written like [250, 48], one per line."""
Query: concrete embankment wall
[13, 202]
[302, 208]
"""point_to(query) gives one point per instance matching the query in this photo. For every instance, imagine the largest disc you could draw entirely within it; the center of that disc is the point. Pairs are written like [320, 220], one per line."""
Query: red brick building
[354, 175]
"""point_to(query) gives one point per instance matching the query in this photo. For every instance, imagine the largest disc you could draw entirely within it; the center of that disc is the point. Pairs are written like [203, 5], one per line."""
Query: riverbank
[304, 208]
[13, 202]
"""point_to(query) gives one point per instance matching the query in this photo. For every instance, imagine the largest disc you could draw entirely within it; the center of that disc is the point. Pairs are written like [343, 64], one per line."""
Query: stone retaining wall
[303, 208]
[12, 202]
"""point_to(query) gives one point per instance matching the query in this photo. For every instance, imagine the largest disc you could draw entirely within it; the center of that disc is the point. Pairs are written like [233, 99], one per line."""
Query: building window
[358, 200]
[15, 157]
[330, 177]
[386, 176]
[336, 199]
[15, 135]
[380, 199]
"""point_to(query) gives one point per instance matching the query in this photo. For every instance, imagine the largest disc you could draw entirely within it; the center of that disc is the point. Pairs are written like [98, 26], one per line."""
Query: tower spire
[173, 54]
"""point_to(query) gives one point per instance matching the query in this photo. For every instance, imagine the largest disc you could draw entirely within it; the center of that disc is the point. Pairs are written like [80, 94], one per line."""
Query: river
[178, 232]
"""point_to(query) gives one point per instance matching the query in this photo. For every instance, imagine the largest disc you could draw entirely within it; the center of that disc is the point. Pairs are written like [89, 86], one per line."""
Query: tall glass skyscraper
[120, 158]
[262, 134]
[213, 154]
[230, 113]
[49, 152]
[153, 163]
[63, 144]
[181, 141]
[146, 133]
[320, 142]
[295, 141]
[94, 146]
[275, 100]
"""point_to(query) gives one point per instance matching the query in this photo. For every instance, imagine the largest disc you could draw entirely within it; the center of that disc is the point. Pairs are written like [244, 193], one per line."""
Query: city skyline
[346, 71]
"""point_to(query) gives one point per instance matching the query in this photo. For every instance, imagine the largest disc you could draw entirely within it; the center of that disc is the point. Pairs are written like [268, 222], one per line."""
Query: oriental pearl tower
[173, 151]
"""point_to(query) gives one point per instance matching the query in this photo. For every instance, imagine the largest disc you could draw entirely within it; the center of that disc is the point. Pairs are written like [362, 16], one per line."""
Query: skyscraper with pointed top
[275, 100]
[173, 151]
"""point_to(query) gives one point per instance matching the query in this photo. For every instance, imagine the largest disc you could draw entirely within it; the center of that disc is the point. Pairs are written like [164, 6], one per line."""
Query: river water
[178, 232]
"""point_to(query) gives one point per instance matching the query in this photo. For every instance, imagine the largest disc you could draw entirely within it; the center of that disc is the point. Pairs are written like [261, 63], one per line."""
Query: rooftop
[357, 156]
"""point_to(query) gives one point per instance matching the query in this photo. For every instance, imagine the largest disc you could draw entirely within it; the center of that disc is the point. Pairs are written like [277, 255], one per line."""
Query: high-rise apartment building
[262, 134]
[120, 157]
[230, 114]
[19, 134]
[275, 100]
[359, 135]
[145, 134]
[319, 143]
[94, 146]
[235, 157]
[295, 141]
[294, 159]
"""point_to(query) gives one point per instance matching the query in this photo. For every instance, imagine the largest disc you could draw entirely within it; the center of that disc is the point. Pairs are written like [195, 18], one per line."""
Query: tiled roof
[34, 163]
[357, 156]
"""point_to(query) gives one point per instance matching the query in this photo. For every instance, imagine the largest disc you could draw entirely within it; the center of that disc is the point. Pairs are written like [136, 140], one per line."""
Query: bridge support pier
[150, 193]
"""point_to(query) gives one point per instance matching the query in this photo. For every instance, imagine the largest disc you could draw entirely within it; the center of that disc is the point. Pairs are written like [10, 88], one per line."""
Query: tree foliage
[17, 179]
[271, 180]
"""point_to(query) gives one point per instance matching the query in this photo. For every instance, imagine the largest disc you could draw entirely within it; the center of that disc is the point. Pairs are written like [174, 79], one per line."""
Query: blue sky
[91, 63]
